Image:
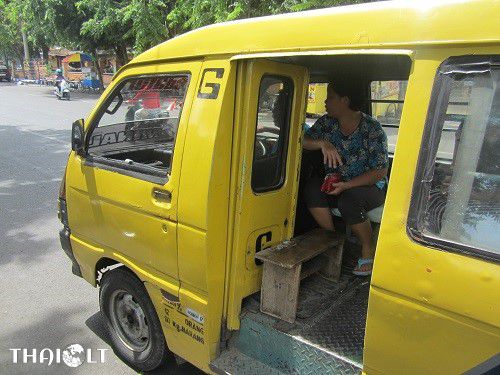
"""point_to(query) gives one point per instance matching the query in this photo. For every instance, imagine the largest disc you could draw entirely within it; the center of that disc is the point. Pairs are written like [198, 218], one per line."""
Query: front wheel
[134, 327]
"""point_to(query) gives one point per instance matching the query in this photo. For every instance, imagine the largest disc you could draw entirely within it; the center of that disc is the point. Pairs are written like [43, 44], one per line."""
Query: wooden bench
[291, 261]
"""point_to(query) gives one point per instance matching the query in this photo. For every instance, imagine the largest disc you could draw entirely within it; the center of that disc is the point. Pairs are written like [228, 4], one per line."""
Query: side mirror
[77, 137]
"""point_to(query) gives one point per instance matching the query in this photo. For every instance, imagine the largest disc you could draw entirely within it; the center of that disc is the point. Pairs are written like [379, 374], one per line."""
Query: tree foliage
[11, 44]
[121, 24]
[191, 14]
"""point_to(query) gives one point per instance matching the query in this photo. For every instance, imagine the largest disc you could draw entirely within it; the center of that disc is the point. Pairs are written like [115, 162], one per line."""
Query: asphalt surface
[42, 304]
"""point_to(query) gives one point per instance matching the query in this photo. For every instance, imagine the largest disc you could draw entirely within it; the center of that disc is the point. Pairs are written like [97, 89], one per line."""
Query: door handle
[162, 195]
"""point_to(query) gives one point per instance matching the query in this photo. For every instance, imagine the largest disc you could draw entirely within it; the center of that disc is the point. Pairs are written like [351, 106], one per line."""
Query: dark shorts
[353, 204]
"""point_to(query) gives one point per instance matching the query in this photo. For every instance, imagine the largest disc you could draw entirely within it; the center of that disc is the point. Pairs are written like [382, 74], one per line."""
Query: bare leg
[364, 233]
[323, 217]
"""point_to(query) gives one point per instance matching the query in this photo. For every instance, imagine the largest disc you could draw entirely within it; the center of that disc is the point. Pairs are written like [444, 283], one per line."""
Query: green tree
[28, 16]
[300, 5]
[40, 34]
[191, 14]
[90, 25]
[149, 22]
[11, 44]
[103, 23]
[140, 24]
[66, 21]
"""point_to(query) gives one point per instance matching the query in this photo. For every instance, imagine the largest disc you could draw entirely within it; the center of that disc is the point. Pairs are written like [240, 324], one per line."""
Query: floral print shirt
[363, 150]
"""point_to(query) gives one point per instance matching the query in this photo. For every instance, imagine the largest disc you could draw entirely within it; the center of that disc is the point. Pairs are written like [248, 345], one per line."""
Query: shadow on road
[54, 329]
[43, 310]
[31, 167]
[97, 325]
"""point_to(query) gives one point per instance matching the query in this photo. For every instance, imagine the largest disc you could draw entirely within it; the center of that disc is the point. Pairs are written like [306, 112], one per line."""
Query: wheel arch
[106, 264]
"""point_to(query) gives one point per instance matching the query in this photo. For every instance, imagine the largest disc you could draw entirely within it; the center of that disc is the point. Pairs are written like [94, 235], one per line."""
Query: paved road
[42, 304]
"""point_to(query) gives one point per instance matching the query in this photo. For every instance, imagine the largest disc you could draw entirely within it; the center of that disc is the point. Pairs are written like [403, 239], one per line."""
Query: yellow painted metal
[424, 303]
[430, 311]
[258, 213]
[203, 207]
[119, 213]
[184, 335]
[325, 52]
[421, 339]
[114, 216]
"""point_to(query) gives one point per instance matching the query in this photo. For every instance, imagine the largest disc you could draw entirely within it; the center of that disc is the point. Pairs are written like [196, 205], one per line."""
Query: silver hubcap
[129, 321]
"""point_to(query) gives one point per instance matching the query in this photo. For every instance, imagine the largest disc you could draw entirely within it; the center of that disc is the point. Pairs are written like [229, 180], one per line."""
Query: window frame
[286, 133]
[395, 101]
[139, 171]
[427, 158]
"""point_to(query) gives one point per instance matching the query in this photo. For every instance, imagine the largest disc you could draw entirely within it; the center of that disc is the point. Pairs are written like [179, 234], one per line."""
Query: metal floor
[341, 329]
[326, 338]
[330, 316]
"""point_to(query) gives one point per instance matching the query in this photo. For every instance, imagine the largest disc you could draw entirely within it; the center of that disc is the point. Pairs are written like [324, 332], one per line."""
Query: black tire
[155, 352]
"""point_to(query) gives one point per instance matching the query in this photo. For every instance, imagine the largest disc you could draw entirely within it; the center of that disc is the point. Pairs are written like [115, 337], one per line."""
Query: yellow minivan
[191, 165]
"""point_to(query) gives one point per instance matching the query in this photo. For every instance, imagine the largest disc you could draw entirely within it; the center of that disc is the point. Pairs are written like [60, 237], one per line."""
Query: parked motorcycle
[62, 90]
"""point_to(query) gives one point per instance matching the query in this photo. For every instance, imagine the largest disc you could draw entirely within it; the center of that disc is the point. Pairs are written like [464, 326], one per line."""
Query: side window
[386, 100]
[456, 201]
[271, 135]
[139, 125]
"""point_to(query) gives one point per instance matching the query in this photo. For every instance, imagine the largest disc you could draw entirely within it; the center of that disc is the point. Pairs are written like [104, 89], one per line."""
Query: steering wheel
[260, 148]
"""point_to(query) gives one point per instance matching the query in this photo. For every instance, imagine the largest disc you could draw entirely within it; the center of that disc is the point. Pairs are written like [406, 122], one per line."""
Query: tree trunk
[121, 55]
[45, 53]
[98, 68]
[25, 45]
[12, 69]
[23, 68]
[26, 59]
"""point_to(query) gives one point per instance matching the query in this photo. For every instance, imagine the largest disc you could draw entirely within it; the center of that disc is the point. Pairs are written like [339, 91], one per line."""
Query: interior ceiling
[369, 67]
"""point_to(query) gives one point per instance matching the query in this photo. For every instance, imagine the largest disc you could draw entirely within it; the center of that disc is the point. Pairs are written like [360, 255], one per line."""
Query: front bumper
[64, 235]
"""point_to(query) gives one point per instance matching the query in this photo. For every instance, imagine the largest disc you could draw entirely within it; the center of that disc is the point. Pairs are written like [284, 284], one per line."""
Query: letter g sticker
[209, 89]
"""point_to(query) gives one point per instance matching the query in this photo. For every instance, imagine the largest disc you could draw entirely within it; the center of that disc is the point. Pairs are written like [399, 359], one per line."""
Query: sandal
[362, 262]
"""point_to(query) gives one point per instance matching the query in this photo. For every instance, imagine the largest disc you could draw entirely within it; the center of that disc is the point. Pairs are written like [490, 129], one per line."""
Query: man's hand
[331, 157]
[338, 187]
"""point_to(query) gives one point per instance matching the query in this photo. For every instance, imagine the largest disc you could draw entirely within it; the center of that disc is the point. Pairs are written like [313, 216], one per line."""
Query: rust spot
[428, 270]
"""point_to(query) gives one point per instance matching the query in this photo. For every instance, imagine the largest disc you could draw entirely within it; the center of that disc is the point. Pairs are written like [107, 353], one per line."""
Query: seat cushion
[374, 215]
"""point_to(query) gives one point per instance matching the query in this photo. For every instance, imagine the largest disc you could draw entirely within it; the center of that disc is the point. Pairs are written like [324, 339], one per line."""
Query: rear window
[386, 105]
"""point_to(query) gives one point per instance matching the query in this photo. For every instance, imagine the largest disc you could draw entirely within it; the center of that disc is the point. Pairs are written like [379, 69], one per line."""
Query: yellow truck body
[188, 233]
